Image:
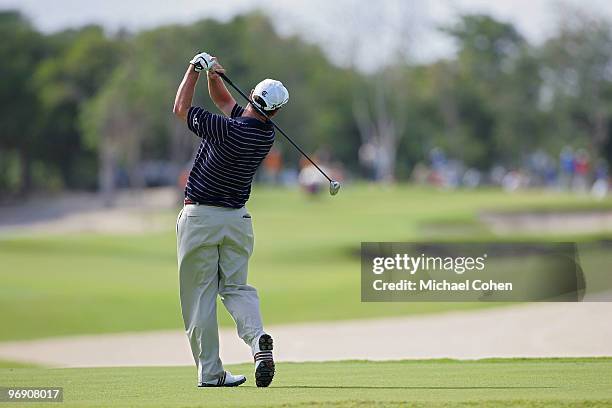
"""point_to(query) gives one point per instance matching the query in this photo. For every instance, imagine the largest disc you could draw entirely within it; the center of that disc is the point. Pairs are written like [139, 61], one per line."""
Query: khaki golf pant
[214, 245]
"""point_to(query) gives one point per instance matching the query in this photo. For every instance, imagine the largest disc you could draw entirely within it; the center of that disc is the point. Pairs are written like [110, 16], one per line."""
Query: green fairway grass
[13, 364]
[306, 262]
[517, 383]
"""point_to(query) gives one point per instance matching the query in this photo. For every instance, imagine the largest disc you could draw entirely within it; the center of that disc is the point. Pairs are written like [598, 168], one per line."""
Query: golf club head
[334, 186]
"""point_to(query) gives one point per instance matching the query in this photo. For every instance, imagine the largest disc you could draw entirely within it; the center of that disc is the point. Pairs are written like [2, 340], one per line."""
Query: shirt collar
[255, 122]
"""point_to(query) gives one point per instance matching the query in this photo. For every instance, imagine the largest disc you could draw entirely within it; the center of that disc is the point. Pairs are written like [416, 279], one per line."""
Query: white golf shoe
[226, 380]
[264, 362]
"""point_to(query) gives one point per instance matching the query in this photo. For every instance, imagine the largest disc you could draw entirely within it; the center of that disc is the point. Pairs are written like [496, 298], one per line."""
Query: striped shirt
[229, 154]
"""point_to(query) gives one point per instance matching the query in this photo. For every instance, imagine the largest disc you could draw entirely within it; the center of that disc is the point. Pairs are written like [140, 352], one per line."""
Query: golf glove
[202, 62]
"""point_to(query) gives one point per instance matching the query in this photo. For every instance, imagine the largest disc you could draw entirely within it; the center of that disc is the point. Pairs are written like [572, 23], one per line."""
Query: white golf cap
[272, 92]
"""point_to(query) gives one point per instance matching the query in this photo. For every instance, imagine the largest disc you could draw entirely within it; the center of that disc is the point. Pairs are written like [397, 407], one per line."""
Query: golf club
[334, 186]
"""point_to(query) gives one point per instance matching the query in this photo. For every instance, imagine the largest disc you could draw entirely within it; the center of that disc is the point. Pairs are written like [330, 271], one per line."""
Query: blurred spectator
[581, 171]
[272, 166]
[542, 169]
[513, 180]
[367, 158]
[438, 159]
[420, 173]
[566, 165]
[471, 178]
[288, 177]
[602, 183]
[497, 175]
[311, 180]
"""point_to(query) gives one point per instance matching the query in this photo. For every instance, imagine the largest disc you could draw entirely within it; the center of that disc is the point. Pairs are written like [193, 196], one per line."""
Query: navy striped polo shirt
[229, 154]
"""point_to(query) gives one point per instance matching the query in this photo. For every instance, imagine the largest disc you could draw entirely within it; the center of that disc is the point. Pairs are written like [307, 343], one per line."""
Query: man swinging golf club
[214, 229]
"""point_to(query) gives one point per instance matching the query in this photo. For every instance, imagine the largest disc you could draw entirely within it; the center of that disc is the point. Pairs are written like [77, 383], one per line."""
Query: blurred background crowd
[89, 108]
[573, 170]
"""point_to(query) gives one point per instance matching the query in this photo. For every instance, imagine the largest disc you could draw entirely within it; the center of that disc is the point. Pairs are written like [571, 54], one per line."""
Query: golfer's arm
[220, 95]
[184, 95]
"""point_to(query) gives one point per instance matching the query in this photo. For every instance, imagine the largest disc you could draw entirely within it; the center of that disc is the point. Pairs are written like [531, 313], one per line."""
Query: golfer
[214, 229]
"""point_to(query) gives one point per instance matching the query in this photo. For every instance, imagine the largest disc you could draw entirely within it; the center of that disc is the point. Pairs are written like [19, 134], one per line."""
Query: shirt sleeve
[237, 111]
[207, 125]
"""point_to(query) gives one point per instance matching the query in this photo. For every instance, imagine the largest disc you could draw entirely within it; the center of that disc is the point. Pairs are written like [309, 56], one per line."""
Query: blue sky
[348, 30]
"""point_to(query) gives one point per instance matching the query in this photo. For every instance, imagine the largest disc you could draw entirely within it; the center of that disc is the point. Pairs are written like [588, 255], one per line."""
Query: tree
[489, 104]
[578, 80]
[381, 102]
[21, 50]
[83, 60]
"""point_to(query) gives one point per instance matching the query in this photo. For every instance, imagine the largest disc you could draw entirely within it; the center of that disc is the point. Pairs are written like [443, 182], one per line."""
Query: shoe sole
[265, 370]
[237, 383]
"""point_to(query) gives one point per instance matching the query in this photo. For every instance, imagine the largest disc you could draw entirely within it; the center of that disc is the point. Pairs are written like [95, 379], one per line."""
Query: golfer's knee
[237, 289]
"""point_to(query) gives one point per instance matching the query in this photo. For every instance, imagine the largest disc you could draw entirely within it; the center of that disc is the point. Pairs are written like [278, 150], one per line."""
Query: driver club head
[334, 186]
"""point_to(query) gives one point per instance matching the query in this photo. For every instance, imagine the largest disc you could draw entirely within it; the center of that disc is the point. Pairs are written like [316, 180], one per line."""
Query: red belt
[190, 202]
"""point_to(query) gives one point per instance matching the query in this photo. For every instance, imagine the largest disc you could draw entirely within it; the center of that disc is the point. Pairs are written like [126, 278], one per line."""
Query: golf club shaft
[230, 83]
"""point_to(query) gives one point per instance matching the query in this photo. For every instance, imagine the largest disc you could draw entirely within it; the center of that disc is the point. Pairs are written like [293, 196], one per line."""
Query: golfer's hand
[202, 62]
[216, 69]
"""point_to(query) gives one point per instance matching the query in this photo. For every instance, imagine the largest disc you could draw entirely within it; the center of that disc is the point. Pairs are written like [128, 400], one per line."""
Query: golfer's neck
[252, 113]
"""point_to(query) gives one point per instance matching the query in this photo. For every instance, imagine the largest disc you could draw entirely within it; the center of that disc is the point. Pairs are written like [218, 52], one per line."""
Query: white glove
[203, 62]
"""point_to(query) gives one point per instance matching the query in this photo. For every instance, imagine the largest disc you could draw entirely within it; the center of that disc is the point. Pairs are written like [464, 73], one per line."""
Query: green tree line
[79, 104]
